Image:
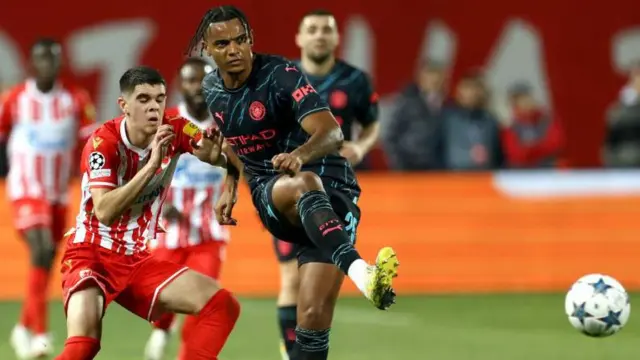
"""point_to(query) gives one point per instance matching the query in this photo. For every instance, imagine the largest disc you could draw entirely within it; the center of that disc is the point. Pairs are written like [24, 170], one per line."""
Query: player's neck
[312, 68]
[44, 86]
[137, 138]
[236, 80]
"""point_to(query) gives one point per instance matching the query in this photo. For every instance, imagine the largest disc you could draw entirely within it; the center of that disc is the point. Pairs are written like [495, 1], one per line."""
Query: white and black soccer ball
[597, 305]
[96, 161]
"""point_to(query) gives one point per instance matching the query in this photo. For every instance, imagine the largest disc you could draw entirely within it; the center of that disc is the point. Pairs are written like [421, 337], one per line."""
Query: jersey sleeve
[86, 115]
[366, 109]
[100, 161]
[187, 134]
[294, 89]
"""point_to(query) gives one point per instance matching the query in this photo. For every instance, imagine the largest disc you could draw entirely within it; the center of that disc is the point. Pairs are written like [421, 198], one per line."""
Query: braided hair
[214, 15]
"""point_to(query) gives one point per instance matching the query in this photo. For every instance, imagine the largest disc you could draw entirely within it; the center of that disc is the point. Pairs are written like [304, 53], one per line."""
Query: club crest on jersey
[338, 99]
[96, 161]
[96, 141]
[257, 111]
[191, 130]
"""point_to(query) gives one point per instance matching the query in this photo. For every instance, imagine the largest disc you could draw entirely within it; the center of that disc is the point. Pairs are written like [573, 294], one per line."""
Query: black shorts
[281, 229]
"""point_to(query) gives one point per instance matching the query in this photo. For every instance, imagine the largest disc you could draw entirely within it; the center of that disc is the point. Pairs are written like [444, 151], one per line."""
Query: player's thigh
[89, 283]
[287, 190]
[207, 258]
[320, 283]
[272, 219]
[85, 309]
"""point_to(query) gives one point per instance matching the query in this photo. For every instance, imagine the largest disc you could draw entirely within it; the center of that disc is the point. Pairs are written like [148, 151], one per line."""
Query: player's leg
[157, 287]
[286, 253]
[206, 259]
[84, 324]
[320, 284]
[88, 285]
[162, 327]
[303, 201]
[34, 221]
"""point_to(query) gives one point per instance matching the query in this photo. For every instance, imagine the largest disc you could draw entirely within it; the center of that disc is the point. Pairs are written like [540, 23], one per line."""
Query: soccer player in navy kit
[354, 103]
[304, 190]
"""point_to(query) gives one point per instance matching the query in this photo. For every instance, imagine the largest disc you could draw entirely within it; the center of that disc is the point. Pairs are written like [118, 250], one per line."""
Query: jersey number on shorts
[350, 228]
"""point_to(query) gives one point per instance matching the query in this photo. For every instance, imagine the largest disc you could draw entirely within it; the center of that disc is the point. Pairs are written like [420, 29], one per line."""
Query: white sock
[358, 274]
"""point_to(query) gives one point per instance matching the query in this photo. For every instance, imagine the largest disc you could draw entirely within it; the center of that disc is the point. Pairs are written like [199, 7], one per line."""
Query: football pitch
[456, 327]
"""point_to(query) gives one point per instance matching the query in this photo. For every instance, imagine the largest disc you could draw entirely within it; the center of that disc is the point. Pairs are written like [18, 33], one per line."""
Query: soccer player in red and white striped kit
[44, 119]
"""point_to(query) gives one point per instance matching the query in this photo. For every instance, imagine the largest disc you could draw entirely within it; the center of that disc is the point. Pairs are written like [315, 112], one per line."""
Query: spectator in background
[409, 139]
[622, 143]
[533, 137]
[470, 133]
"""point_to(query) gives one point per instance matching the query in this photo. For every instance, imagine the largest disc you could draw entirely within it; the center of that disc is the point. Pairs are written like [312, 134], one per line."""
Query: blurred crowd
[437, 125]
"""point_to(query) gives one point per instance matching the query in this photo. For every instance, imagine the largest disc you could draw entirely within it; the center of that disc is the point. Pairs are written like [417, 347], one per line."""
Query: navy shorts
[343, 203]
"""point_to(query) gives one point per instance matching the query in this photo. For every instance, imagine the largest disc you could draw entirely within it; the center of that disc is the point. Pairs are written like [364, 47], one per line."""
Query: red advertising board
[577, 46]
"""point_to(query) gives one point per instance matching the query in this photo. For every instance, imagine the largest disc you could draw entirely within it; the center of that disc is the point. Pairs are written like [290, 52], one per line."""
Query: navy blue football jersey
[350, 95]
[263, 118]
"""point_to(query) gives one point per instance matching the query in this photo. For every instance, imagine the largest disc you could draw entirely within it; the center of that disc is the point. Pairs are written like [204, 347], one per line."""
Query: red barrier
[452, 233]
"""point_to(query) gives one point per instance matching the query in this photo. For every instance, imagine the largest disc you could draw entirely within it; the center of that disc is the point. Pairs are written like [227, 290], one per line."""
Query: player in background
[304, 191]
[353, 101]
[44, 120]
[127, 167]
[193, 237]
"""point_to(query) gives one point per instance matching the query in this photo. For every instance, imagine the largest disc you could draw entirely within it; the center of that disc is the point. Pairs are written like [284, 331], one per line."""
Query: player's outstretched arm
[229, 197]
[325, 136]
[110, 204]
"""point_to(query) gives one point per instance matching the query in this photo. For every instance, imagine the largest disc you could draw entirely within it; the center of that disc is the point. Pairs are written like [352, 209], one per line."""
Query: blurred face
[191, 77]
[46, 61]
[144, 107]
[318, 37]
[228, 44]
[524, 103]
[431, 80]
[470, 93]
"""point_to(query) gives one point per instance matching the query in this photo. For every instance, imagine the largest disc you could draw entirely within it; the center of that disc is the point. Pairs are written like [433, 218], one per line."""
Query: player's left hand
[352, 152]
[287, 163]
[209, 148]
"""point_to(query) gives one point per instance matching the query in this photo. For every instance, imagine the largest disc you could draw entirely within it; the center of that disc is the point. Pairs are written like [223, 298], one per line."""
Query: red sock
[80, 348]
[34, 311]
[165, 322]
[214, 324]
[190, 323]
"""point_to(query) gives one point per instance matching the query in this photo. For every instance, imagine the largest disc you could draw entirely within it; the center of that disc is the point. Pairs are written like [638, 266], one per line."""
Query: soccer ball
[597, 305]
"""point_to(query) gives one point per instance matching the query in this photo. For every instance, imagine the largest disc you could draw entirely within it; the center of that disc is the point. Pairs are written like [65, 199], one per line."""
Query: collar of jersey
[31, 87]
[123, 135]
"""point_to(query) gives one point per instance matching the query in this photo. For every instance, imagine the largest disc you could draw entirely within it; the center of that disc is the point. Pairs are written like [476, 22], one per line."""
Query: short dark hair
[316, 12]
[214, 15]
[140, 75]
[44, 42]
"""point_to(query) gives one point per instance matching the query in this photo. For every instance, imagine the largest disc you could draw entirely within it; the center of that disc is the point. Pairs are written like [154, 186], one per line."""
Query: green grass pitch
[460, 327]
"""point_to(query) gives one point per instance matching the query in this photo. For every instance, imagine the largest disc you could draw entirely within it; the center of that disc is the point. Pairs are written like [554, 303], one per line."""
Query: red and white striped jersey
[109, 160]
[194, 191]
[43, 131]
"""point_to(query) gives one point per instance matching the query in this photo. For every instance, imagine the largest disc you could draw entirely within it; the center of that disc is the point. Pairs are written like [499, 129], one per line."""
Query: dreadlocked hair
[214, 15]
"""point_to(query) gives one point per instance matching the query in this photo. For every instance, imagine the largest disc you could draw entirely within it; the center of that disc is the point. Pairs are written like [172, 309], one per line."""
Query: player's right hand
[225, 205]
[287, 163]
[159, 145]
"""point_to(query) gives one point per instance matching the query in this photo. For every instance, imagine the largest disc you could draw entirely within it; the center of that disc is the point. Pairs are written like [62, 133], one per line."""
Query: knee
[307, 181]
[315, 315]
[42, 248]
